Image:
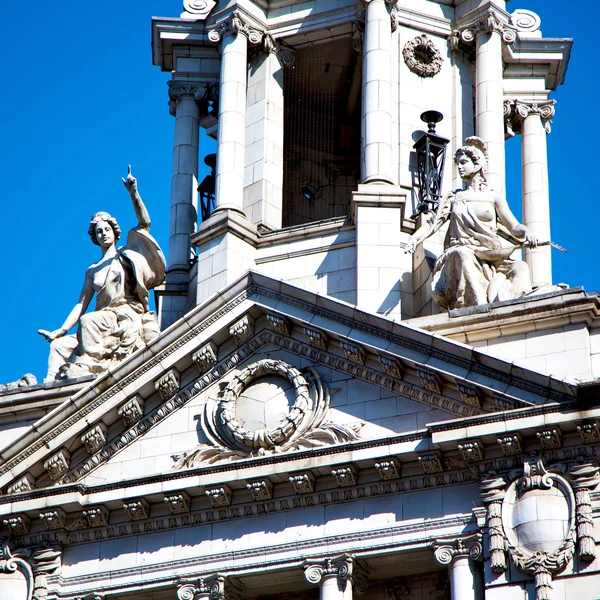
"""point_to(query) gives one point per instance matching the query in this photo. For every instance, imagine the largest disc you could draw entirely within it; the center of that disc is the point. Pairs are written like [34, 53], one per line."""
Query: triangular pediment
[384, 380]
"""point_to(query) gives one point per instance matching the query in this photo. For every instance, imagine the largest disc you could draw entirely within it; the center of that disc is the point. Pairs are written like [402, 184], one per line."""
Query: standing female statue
[474, 267]
[121, 323]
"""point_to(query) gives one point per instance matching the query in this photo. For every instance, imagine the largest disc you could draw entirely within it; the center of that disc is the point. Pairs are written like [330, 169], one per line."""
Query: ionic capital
[343, 567]
[490, 22]
[206, 588]
[202, 93]
[445, 551]
[234, 25]
[360, 17]
[516, 111]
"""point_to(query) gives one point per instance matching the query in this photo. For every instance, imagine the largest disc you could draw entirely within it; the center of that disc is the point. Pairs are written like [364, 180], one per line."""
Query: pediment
[362, 359]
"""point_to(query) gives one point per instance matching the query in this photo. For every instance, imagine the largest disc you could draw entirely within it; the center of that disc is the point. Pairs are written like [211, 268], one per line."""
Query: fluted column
[489, 34]
[376, 150]
[213, 587]
[533, 121]
[184, 182]
[336, 576]
[459, 555]
[234, 34]
[584, 479]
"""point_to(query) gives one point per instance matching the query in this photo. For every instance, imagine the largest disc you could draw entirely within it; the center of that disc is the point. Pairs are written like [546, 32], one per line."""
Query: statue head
[103, 216]
[476, 150]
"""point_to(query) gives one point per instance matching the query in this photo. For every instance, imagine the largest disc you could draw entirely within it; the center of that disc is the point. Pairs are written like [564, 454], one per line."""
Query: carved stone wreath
[302, 426]
[422, 56]
[264, 438]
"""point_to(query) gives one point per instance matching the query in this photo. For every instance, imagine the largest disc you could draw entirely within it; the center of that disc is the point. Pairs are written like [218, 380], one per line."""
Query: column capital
[202, 93]
[516, 111]
[446, 551]
[464, 36]
[206, 588]
[344, 567]
[360, 15]
[234, 24]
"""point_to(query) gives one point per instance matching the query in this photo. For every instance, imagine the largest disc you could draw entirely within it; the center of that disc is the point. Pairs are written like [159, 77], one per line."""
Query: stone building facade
[309, 424]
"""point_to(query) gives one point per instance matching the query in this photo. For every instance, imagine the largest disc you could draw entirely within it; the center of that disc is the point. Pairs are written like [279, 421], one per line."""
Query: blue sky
[82, 100]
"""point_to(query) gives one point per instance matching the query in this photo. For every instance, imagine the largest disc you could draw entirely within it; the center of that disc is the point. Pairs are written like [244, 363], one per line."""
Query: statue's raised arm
[122, 322]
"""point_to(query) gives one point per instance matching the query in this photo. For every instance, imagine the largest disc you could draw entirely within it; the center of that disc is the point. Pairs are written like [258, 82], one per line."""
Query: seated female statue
[121, 322]
[474, 267]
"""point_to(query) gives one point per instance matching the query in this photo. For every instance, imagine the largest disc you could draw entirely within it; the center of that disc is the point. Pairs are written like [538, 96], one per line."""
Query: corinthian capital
[464, 36]
[516, 111]
[445, 551]
[234, 25]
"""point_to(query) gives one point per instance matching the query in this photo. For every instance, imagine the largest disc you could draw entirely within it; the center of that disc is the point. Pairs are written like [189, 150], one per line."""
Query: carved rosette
[464, 37]
[516, 111]
[422, 56]
[234, 25]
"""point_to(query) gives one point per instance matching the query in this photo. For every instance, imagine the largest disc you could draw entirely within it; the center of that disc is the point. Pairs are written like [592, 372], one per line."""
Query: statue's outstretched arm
[431, 225]
[140, 209]
[87, 292]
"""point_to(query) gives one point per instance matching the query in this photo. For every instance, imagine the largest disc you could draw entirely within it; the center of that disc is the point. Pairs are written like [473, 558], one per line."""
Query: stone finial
[511, 444]
[58, 464]
[550, 438]
[95, 438]
[431, 462]
[279, 324]
[132, 410]
[303, 482]
[220, 496]
[446, 550]
[354, 352]
[391, 366]
[96, 516]
[18, 524]
[178, 503]
[137, 509]
[316, 338]
[54, 519]
[345, 475]
[206, 357]
[388, 469]
[168, 384]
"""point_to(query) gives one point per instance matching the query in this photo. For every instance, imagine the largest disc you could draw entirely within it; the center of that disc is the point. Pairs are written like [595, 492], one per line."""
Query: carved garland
[422, 56]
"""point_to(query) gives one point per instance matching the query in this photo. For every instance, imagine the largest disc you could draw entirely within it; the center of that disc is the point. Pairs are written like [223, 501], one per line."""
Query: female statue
[474, 267]
[121, 323]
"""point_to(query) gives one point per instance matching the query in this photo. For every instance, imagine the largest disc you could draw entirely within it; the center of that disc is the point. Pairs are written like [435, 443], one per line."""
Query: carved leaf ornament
[422, 56]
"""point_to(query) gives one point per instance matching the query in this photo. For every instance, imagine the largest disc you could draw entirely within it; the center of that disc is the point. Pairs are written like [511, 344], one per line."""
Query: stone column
[336, 576]
[489, 33]
[184, 182]
[234, 34]
[376, 150]
[213, 587]
[459, 555]
[533, 122]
